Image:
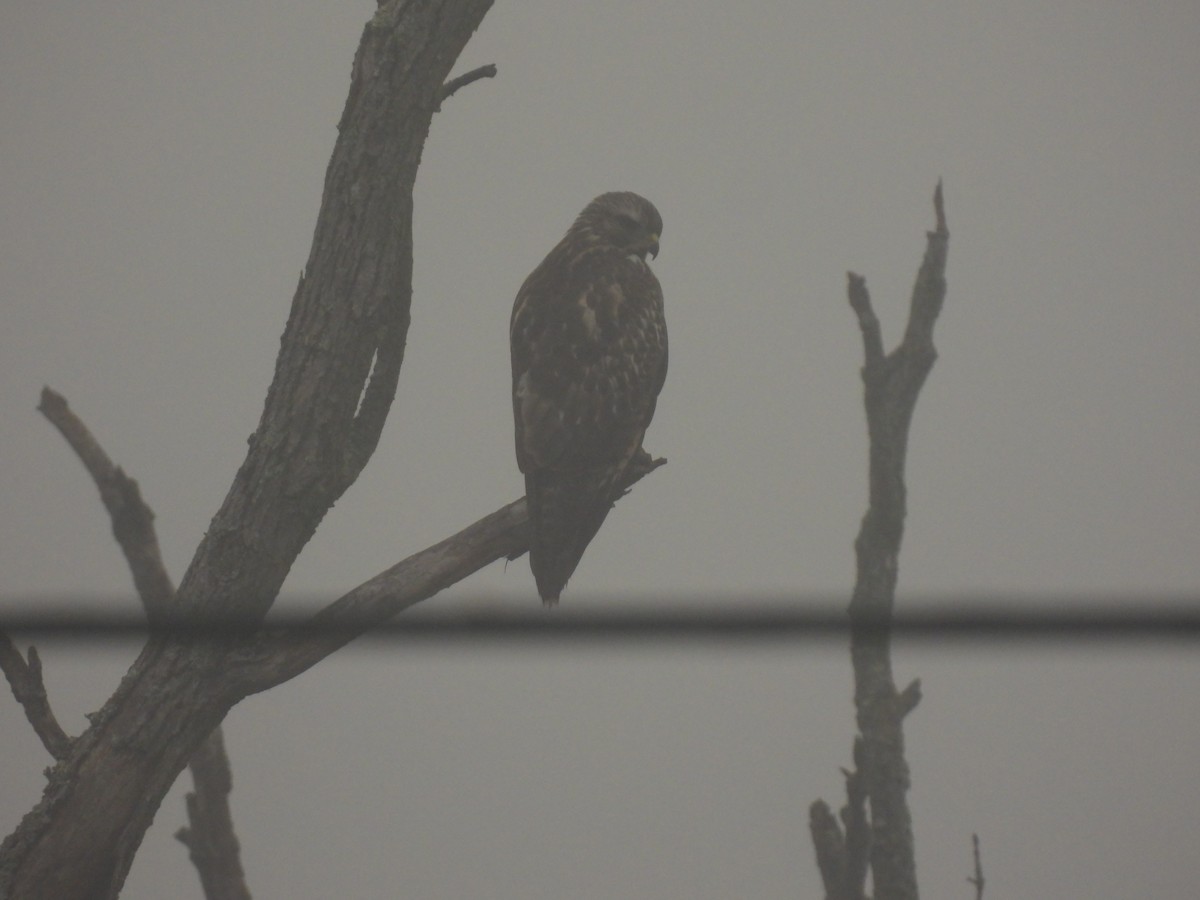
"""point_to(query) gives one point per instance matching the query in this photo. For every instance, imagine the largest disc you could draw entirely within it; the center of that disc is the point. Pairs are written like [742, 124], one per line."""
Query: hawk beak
[652, 249]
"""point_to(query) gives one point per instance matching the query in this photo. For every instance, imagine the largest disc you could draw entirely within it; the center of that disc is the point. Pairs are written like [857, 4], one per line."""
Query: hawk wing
[589, 357]
[587, 369]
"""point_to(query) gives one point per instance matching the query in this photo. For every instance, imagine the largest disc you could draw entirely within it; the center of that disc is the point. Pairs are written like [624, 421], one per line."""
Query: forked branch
[25, 679]
[211, 840]
[892, 383]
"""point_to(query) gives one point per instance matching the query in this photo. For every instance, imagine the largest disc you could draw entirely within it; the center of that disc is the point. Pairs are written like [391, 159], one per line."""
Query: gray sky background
[160, 172]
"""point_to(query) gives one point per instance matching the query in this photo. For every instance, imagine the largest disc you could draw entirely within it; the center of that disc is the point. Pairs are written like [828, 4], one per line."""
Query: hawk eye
[627, 222]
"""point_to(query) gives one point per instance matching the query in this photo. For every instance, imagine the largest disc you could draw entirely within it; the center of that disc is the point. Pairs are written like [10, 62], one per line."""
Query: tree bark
[343, 344]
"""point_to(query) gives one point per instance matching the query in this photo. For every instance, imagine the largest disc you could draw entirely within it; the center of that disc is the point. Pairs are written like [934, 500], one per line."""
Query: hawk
[589, 357]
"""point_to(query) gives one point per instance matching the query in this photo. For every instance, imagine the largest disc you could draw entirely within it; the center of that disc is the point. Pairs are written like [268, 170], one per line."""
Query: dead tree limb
[132, 519]
[454, 85]
[977, 880]
[843, 851]
[25, 679]
[892, 383]
[274, 658]
[211, 840]
[334, 381]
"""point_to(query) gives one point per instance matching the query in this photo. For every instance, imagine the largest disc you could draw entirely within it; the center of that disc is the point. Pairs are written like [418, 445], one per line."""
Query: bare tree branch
[211, 838]
[892, 384]
[908, 698]
[858, 828]
[132, 519]
[868, 322]
[451, 87]
[830, 844]
[275, 658]
[843, 851]
[133, 528]
[25, 679]
[211, 842]
[977, 878]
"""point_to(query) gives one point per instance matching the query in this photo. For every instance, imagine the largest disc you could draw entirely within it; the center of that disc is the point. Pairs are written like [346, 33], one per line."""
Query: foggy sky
[160, 172]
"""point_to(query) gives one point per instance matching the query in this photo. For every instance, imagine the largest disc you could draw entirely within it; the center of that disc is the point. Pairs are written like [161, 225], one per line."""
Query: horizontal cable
[1062, 618]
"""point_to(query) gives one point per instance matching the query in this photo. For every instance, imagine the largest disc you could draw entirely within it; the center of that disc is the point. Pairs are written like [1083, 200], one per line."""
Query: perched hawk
[589, 356]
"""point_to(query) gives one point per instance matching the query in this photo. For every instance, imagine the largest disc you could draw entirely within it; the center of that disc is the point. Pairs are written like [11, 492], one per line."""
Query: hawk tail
[566, 509]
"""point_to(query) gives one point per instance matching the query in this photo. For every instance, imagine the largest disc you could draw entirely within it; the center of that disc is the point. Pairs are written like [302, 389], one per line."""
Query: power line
[1058, 617]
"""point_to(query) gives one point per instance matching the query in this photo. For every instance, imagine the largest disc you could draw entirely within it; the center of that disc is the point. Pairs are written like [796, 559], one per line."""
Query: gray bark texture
[334, 381]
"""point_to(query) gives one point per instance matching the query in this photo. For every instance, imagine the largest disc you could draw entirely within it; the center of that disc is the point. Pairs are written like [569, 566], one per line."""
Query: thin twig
[977, 879]
[210, 839]
[454, 84]
[132, 519]
[907, 699]
[868, 322]
[25, 679]
[858, 828]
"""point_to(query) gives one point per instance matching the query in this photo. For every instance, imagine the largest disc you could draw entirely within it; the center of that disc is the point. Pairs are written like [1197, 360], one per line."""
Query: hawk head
[621, 220]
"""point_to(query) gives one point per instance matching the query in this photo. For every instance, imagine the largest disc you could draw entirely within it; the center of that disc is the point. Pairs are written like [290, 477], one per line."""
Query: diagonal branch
[451, 87]
[211, 840]
[25, 679]
[132, 519]
[274, 658]
[133, 528]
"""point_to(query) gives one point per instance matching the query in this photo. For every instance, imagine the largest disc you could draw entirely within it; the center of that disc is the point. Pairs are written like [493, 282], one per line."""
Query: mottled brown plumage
[589, 357]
